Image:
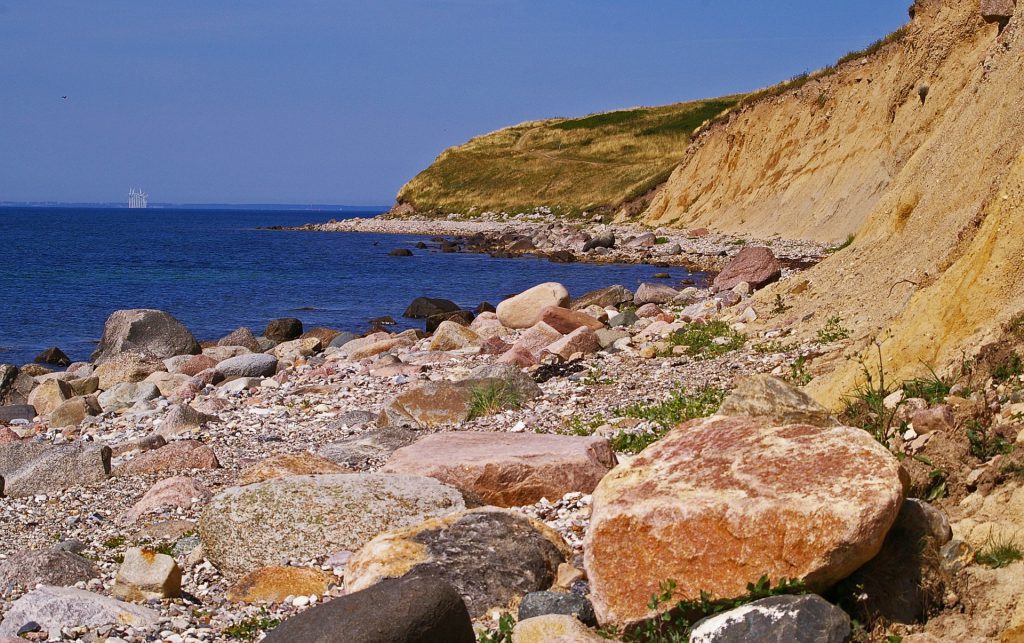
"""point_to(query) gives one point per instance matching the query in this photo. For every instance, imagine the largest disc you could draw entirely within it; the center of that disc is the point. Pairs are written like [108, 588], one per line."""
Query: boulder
[166, 383]
[275, 583]
[29, 468]
[462, 317]
[610, 297]
[287, 464]
[183, 418]
[997, 10]
[84, 385]
[221, 353]
[342, 338]
[55, 608]
[434, 404]
[524, 310]
[251, 365]
[296, 349]
[491, 556]
[778, 402]
[777, 619]
[126, 367]
[604, 240]
[73, 411]
[580, 341]
[8, 374]
[193, 365]
[17, 412]
[126, 394]
[378, 347]
[150, 332]
[49, 395]
[541, 603]
[53, 355]
[241, 337]
[145, 574]
[508, 469]
[755, 265]
[643, 240]
[325, 335]
[667, 250]
[8, 436]
[368, 448]
[451, 336]
[175, 456]
[30, 567]
[284, 329]
[512, 377]
[649, 293]
[554, 628]
[720, 501]
[302, 517]
[623, 319]
[423, 307]
[416, 609]
[168, 493]
[565, 321]
[536, 339]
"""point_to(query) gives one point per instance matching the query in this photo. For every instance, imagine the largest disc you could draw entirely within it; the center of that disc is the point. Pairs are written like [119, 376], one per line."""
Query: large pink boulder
[565, 321]
[722, 501]
[508, 469]
[755, 265]
[524, 310]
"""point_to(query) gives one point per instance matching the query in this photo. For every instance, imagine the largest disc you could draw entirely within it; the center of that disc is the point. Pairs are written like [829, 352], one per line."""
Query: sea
[63, 270]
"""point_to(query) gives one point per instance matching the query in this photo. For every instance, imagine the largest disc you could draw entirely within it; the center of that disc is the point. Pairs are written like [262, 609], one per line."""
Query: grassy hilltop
[594, 163]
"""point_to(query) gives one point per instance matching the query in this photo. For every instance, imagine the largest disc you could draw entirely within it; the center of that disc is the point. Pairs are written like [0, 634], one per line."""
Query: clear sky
[338, 101]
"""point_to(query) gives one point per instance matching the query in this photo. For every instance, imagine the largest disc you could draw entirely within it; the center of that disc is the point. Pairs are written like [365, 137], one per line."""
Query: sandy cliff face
[932, 190]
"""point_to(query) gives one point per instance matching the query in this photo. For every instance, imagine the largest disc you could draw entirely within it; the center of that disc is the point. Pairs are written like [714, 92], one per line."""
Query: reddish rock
[565, 321]
[7, 436]
[582, 340]
[288, 464]
[519, 356]
[241, 337]
[719, 502]
[196, 364]
[168, 493]
[494, 346]
[176, 456]
[649, 310]
[939, 418]
[508, 469]
[536, 339]
[755, 265]
[698, 232]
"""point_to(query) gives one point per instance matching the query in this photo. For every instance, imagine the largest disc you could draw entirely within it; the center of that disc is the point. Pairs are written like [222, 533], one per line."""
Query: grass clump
[501, 634]
[833, 331]
[843, 245]
[493, 398]
[707, 341]
[773, 346]
[576, 425]
[933, 388]
[1008, 369]
[679, 407]
[114, 542]
[986, 443]
[249, 629]
[999, 552]
[798, 373]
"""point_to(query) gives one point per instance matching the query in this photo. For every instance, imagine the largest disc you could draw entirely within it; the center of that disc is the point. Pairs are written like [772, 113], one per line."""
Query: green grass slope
[595, 163]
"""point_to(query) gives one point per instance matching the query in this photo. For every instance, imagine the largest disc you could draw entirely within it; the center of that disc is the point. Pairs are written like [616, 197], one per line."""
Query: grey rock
[645, 240]
[250, 365]
[778, 619]
[607, 337]
[342, 338]
[147, 331]
[30, 468]
[302, 517]
[413, 609]
[667, 250]
[649, 293]
[769, 397]
[240, 384]
[541, 603]
[627, 318]
[17, 412]
[30, 567]
[355, 417]
[55, 608]
[125, 394]
[284, 329]
[511, 375]
[368, 448]
[182, 418]
[604, 240]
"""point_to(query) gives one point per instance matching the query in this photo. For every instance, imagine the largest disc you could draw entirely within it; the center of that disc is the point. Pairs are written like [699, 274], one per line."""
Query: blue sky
[308, 101]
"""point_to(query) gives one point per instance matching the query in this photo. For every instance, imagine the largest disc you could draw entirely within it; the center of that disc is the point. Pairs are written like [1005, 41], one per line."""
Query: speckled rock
[175, 456]
[183, 418]
[145, 574]
[543, 603]
[296, 349]
[241, 337]
[275, 583]
[141, 330]
[301, 517]
[451, 336]
[288, 464]
[554, 628]
[30, 567]
[178, 491]
[57, 607]
[433, 404]
[359, 450]
[719, 502]
[126, 367]
[49, 395]
[775, 400]
[30, 468]
[777, 619]
[251, 365]
[524, 310]
[490, 556]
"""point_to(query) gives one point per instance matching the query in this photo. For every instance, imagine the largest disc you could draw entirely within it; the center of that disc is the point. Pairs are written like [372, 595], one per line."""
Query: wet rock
[451, 336]
[30, 567]
[777, 619]
[288, 464]
[126, 394]
[414, 609]
[284, 329]
[775, 400]
[542, 603]
[145, 574]
[554, 628]
[565, 321]
[53, 355]
[151, 332]
[401, 252]
[301, 517]
[524, 310]
[508, 469]
[609, 297]
[30, 468]
[55, 608]
[720, 501]
[360, 450]
[649, 293]
[276, 583]
[754, 264]
[175, 456]
[251, 365]
[49, 395]
[241, 337]
[166, 494]
[490, 556]
[423, 307]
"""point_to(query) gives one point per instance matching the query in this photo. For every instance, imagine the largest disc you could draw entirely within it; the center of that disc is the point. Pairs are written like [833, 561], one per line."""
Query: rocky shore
[579, 464]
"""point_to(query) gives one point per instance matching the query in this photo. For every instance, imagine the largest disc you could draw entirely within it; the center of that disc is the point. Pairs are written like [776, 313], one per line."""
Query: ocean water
[64, 270]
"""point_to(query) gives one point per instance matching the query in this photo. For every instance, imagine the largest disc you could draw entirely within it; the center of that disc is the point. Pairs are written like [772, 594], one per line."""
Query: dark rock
[661, 275]
[561, 256]
[368, 448]
[603, 240]
[463, 317]
[905, 581]
[400, 252]
[342, 338]
[8, 373]
[448, 246]
[29, 628]
[490, 556]
[997, 10]
[605, 297]
[485, 307]
[17, 412]
[29, 567]
[142, 330]
[386, 320]
[627, 318]
[53, 355]
[423, 307]
[420, 245]
[413, 609]
[241, 337]
[541, 603]
[29, 468]
[778, 619]
[325, 335]
[283, 330]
